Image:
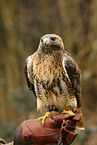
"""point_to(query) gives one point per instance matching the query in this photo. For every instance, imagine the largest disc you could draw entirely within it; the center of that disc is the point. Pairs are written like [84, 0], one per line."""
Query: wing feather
[74, 75]
[29, 83]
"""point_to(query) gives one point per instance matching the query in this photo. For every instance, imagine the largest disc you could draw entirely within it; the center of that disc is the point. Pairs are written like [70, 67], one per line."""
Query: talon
[50, 116]
[43, 118]
[42, 124]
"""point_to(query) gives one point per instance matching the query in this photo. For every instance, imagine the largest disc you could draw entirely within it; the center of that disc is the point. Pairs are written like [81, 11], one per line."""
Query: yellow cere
[45, 40]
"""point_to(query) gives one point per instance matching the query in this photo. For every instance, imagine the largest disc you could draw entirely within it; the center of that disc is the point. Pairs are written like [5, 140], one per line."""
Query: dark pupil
[53, 38]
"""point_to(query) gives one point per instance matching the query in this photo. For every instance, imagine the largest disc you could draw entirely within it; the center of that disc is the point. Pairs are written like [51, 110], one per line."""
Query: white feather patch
[29, 63]
[64, 62]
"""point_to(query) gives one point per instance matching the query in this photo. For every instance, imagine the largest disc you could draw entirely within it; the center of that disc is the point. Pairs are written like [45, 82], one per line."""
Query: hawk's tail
[80, 124]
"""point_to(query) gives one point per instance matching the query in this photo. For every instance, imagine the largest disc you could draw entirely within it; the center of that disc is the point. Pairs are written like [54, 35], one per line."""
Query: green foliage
[7, 130]
[24, 101]
[86, 134]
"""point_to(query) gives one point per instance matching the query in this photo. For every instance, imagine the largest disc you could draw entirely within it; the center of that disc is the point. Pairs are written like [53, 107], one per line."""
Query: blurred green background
[22, 23]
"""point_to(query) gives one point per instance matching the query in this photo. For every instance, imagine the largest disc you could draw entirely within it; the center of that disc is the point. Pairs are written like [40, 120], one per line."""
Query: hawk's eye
[53, 38]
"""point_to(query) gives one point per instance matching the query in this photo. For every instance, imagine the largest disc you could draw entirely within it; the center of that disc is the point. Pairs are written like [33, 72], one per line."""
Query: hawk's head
[51, 42]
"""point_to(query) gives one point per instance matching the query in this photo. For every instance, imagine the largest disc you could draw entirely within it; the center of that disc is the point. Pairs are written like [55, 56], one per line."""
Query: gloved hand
[58, 130]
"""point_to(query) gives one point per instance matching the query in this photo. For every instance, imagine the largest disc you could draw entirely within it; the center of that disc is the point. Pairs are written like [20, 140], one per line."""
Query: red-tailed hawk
[54, 76]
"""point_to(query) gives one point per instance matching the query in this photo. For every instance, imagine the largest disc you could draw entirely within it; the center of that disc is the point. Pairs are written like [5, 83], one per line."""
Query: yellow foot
[67, 112]
[43, 118]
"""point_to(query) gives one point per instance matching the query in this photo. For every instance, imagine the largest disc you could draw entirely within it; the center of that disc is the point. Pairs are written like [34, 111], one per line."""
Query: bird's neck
[56, 55]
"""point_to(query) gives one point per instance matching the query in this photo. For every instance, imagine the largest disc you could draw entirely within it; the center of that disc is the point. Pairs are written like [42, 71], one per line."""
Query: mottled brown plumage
[53, 75]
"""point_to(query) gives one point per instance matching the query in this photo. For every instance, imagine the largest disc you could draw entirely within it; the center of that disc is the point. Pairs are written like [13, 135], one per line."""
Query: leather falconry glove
[59, 130]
